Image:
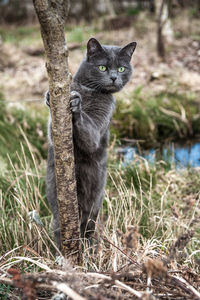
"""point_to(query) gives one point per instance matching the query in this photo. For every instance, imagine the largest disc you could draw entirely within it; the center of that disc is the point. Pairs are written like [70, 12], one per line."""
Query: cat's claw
[75, 102]
[47, 98]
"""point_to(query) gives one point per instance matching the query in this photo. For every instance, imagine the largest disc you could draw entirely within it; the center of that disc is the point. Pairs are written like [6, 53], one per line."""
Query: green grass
[76, 35]
[23, 148]
[133, 11]
[80, 35]
[20, 35]
[147, 196]
[30, 34]
[22, 192]
[17, 123]
[4, 291]
[22, 173]
[156, 118]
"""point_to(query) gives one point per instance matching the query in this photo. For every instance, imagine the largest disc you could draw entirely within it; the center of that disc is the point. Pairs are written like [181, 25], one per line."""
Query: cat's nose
[113, 77]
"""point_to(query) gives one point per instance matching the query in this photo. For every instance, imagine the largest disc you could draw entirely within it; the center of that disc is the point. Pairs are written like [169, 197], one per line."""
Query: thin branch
[63, 287]
[117, 283]
[182, 283]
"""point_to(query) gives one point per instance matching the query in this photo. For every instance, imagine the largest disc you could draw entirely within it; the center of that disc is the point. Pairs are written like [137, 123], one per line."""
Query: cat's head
[108, 67]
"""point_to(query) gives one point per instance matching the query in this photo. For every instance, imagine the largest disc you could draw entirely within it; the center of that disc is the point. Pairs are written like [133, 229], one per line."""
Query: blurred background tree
[22, 11]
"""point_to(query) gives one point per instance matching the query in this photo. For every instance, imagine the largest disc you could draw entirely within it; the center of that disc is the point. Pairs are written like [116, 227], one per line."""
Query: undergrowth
[139, 193]
[146, 208]
[156, 118]
[157, 205]
[15, 124]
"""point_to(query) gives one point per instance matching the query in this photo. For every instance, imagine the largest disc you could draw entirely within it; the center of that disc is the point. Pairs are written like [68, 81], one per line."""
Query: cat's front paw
[47, 98]
[75, 102]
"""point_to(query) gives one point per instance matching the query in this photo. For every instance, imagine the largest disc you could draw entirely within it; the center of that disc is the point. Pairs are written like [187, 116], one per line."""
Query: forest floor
[147, 240]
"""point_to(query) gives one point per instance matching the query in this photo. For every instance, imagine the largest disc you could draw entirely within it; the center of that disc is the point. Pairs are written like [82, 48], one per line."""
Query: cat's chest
[93, 102]
[96, 102]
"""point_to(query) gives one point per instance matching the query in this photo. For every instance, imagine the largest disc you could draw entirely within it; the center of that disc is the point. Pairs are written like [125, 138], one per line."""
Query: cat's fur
[92, 105]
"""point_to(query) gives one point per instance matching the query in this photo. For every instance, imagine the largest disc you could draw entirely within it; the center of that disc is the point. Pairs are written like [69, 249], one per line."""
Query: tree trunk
[165, 32]
[152, 8]
[88, 9]
[52, 15]
[170, 8]
[110, 8]
[160, 40]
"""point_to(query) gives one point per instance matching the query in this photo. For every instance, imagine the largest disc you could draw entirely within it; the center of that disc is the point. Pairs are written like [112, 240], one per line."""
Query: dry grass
[145, 234]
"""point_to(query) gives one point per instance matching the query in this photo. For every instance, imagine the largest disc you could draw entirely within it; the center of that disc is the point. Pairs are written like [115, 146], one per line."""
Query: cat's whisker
[96, 85]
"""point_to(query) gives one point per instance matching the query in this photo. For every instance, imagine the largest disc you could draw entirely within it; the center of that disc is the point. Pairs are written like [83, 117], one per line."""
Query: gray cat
[105, 70]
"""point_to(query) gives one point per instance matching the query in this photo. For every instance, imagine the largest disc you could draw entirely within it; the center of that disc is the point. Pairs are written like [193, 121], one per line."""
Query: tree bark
[52, 15]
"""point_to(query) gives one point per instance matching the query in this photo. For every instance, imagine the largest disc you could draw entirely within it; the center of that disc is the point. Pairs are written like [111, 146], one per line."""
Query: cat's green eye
[102, 68]
[121, 69]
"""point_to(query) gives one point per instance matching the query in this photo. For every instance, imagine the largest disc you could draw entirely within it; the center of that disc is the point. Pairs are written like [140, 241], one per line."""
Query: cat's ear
[128, 49]
[93, 47]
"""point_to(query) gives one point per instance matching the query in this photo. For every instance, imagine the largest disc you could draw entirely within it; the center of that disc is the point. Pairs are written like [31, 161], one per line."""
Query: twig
[6, 281]
[20, 259]
[129, 257]
[91, 286]
[42, 286]
[63, 287]
[149, 284]
[125, 266]
[9, 252]
[118, 283]
[162, 288]
[182, 283]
